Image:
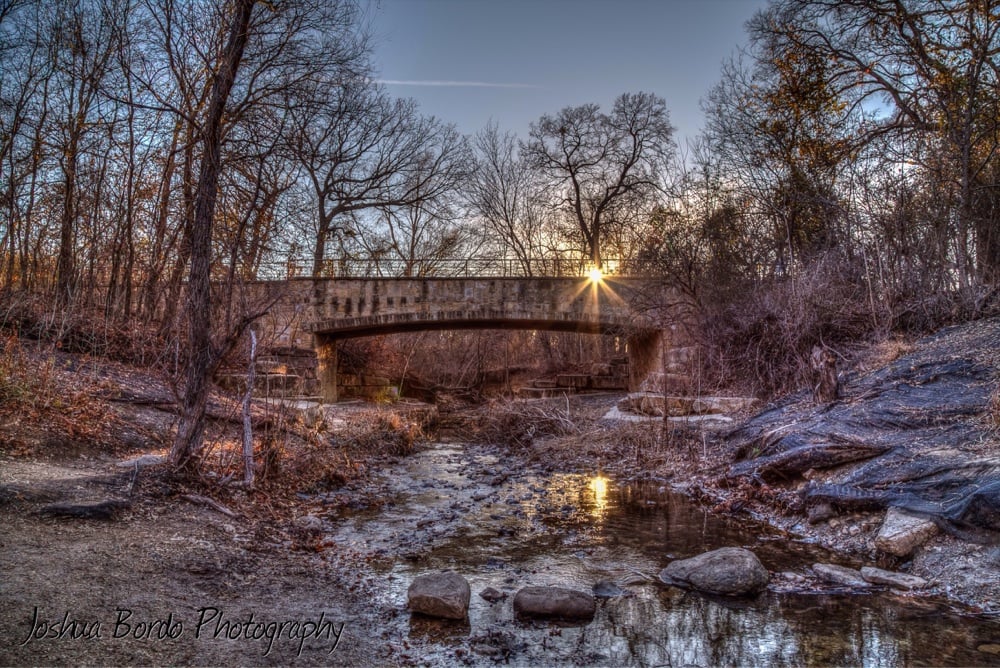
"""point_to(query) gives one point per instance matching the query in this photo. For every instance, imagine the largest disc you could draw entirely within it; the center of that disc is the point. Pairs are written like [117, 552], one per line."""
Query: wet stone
[608, 589]
[492, 595]
[902, 533]
[820, 512]
[892, 579]
[443, 595]
[728, 571]
[557, 602]
[840, 575]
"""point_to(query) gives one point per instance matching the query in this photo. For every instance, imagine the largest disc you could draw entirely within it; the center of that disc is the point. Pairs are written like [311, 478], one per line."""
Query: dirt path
[190, 575]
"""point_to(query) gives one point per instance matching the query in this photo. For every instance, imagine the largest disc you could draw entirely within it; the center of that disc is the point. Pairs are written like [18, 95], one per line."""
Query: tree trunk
[319, 251]
[65, 262]
[202, 357]
[157, 260]
[248, 473]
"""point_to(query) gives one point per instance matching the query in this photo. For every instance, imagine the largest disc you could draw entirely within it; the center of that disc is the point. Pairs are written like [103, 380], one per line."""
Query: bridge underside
[643, 344]
[346, 328]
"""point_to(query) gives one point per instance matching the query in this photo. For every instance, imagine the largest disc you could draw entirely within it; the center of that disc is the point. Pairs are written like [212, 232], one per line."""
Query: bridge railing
[450, 268]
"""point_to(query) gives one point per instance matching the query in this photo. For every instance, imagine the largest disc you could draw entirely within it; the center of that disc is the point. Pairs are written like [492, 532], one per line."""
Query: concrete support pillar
[645, 357]
[326, 369]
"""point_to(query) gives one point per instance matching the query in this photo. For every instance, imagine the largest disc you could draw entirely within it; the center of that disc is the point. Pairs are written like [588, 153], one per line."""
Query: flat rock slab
[107, 509]
[554, 602]
[840, 575]
[902, 533]
[142, 461]
[795, 461]
[653, 403]
[917, 407]
[444, 595]
[892, 579]
[729, 571]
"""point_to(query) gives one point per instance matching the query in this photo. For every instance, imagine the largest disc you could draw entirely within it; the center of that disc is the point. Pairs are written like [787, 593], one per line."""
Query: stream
[461, 508]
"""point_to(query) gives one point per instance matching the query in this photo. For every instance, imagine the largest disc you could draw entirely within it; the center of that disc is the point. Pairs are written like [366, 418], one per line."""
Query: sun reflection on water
[599, 487]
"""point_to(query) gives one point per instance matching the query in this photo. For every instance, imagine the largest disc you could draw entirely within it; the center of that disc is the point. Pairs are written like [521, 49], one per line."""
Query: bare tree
[85, 47]
[504, 193]
[423, 239]
[362, 150]
[595, 162]
[26, 71]
[776, 125]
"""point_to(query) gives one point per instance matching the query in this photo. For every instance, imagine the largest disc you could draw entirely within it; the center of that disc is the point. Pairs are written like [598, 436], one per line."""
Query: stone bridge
[333, 309]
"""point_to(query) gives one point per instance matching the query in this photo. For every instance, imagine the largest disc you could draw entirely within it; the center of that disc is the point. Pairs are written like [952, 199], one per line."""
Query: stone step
[609, 382]
[265, 384]
[541, 392]
[575, 380]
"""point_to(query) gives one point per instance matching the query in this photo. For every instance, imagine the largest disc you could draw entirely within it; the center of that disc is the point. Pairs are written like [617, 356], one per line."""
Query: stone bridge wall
[360, 307]
[315, 314]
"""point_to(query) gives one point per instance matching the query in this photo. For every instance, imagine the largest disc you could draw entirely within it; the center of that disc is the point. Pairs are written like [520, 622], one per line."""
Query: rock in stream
[728, 571]
[444, 595]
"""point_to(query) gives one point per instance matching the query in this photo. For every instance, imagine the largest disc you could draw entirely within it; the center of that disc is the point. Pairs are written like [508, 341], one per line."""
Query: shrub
[519, 424]
[327, 461]
[764, 339]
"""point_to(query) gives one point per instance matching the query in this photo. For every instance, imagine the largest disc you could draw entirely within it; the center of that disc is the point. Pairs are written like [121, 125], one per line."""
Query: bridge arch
[349, 308]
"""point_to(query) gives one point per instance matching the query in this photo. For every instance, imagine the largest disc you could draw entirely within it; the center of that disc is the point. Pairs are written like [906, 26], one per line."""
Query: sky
[470, 62]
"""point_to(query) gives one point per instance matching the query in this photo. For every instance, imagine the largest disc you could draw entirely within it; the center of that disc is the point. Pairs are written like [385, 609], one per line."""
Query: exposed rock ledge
[916, 440]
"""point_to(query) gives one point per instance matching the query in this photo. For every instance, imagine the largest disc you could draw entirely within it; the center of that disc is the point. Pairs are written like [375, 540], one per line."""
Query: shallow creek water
[456, 507]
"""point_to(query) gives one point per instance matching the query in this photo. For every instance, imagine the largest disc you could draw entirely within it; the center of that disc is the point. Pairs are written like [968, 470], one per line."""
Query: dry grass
[761, 342]
[573, 437]
[313, 459]
[516, 424]
[26, 383]
[82, 329]
[882, 353]
[42, 402]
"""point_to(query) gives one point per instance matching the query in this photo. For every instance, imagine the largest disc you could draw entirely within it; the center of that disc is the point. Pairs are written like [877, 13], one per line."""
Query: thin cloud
[452, 84]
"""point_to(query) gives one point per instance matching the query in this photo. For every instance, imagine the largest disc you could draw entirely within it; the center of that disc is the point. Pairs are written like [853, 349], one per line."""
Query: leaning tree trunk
[202, 356]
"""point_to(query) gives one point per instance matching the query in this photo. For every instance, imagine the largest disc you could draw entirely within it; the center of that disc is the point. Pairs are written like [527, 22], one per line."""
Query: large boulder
[729, 571]
[554, 602]
[892, 441]
[440, 595]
